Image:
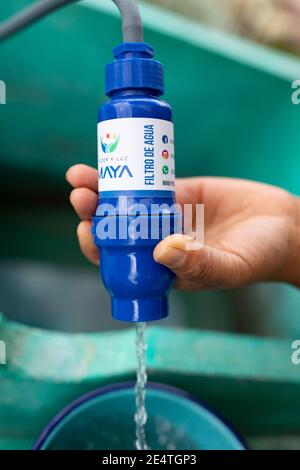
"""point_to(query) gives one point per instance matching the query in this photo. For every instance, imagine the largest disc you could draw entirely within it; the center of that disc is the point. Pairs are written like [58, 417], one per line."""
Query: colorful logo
[109, 142]
[165, 139]
[165, 169]
[165, 154]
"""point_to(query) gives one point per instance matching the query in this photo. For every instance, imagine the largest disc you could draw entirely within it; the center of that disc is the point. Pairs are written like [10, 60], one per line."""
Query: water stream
[140, 416]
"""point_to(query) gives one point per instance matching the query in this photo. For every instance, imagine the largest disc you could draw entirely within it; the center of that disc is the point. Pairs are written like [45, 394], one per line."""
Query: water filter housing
[136, 206]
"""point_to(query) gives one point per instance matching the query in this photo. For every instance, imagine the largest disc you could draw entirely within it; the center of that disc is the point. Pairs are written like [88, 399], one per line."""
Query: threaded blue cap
[134, 67]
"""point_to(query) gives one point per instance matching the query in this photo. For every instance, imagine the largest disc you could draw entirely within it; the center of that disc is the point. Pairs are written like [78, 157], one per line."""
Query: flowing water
[140, 416]
[162, 434]
[155, 431]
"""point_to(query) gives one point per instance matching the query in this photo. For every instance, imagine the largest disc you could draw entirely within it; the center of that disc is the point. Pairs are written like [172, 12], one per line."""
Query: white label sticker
[136, 154]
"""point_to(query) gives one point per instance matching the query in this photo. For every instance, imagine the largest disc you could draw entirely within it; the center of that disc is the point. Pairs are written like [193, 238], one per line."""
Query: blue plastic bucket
[104, 420]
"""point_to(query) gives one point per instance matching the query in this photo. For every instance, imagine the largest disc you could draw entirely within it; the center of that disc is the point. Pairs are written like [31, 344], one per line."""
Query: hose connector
[134, 68]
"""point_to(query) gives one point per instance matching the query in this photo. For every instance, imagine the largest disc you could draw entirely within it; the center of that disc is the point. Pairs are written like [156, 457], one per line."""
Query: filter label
[136, 154]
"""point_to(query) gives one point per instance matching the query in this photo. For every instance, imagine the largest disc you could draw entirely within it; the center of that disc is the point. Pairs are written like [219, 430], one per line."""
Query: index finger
[83, 176]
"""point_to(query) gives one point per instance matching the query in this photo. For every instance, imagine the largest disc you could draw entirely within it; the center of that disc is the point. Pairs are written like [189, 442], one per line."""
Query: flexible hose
[132, 26]
[29, 15]
[131, 19]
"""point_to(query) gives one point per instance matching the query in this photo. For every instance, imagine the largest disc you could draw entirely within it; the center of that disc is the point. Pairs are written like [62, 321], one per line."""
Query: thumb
[199, 266]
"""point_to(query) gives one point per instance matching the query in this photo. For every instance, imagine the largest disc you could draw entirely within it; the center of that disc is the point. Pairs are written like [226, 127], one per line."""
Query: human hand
[252, 231]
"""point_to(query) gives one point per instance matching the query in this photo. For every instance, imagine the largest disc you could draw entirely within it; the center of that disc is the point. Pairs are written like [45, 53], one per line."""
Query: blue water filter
[136, 184]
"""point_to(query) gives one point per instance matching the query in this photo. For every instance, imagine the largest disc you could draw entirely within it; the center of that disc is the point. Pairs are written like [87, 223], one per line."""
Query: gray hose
[131, 19]
[29, 15]
[132, 26]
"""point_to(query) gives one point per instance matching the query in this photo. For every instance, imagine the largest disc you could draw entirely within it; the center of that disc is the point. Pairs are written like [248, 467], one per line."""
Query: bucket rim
[106, 389]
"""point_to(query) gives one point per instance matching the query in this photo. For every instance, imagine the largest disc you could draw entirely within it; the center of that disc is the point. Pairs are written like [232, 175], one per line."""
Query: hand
[252, 231]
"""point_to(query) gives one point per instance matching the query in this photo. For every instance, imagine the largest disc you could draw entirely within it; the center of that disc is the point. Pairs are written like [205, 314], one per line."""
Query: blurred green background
[233, 117]
[229, 67]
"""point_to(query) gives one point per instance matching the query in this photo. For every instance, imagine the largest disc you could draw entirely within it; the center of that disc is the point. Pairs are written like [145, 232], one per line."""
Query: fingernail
[171, 257]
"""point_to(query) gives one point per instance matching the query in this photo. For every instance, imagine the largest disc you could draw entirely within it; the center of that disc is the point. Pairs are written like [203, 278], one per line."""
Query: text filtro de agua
[149, 159]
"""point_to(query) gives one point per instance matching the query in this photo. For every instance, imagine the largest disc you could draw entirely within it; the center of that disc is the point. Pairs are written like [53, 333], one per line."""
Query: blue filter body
[136, 207]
